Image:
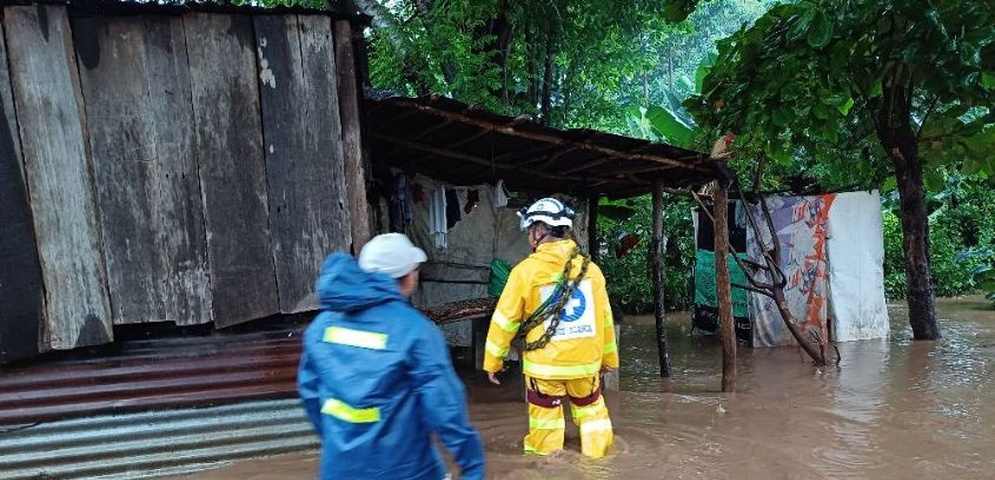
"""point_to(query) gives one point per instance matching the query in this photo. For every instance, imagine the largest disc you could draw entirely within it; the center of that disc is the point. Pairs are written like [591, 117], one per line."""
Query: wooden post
[593, 247]
[724, 289]
[656, 257]
[352, 147]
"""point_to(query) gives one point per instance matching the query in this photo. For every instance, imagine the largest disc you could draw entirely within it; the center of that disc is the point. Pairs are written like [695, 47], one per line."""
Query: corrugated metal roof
[158, 373]
[158, 443]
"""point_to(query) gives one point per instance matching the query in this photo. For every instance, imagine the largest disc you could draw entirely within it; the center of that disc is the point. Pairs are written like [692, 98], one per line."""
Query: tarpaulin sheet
[800, 224]
[856, 268]
[705, 285]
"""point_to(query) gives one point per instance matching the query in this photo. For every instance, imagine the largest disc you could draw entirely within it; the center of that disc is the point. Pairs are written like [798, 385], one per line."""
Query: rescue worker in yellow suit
[557, 299]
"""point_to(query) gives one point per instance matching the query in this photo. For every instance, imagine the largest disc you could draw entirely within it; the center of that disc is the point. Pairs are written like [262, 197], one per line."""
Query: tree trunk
[547, 83]
[893, 120]
[657, 258]
[915, 233]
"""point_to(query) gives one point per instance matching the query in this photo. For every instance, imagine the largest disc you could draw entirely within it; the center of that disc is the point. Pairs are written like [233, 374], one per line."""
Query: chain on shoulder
[551, 310]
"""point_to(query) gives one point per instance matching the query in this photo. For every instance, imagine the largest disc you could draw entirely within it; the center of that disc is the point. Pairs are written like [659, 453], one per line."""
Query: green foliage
[605, 59]
[984, 272]
[894, 258]
[962, 234]
[804, 82]
[629, 278]
[500, 54]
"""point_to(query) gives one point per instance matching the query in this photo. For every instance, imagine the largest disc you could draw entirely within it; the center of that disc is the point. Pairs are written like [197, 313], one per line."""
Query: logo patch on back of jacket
[577, 319]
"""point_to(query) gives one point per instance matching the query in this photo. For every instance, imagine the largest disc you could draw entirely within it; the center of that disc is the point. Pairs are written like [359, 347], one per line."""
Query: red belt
[540, 399]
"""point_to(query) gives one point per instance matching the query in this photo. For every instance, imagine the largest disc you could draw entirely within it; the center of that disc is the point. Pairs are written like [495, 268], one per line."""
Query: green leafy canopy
[806, 79]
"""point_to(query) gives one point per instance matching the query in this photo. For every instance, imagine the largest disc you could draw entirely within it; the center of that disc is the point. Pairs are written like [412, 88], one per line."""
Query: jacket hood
[343, 287]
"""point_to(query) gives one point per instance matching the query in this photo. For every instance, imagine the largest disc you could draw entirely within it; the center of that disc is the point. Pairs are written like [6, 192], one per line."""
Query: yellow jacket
[585, 338]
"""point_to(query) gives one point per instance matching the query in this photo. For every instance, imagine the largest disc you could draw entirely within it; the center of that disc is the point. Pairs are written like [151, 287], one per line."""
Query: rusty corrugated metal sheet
[155, 444]
[160, 373]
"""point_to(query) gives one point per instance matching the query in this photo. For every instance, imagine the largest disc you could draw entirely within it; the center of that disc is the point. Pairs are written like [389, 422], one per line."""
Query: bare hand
[607, 369]
[493, 378]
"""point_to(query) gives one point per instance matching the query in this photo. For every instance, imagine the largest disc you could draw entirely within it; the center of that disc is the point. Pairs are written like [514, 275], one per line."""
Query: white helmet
[550, 211]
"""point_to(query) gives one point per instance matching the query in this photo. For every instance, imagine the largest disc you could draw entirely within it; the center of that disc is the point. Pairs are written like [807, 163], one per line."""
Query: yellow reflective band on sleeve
[539, 370]
[355, 338]
[583, 412]
[548, 424]
[504, 323]
[346, 413]
[493, 349]
[611, 348]
[592, 426]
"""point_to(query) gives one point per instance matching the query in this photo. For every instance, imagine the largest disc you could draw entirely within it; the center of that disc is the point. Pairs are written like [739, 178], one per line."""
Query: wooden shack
[170, 163]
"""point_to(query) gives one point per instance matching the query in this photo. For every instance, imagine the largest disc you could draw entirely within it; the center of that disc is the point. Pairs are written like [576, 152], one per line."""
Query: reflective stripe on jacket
[586, 336]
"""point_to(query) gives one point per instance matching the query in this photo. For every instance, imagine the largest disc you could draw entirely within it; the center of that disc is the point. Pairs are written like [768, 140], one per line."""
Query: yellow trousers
[547, 426]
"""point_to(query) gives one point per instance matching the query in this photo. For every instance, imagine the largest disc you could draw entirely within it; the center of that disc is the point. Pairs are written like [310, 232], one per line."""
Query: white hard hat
[550, 211]
[391, 254]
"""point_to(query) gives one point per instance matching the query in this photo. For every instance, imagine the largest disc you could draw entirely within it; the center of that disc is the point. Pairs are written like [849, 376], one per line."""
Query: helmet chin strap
[538, 241]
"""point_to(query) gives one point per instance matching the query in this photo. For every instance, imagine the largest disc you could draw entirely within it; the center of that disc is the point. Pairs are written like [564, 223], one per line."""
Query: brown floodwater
[893, 409]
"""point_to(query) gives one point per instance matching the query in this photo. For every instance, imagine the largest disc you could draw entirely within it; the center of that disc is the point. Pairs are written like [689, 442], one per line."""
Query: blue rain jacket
[376, 381]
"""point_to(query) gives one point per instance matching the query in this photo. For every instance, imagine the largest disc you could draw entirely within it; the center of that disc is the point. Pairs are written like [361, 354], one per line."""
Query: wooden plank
[21, 294]
[53, 141]
[352, 148]
[229, 151]
[136, 84]
[302, 138]
[7, 100]
[724, 289]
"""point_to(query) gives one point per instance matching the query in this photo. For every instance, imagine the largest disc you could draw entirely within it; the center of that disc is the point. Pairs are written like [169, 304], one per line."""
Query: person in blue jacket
[375, 375]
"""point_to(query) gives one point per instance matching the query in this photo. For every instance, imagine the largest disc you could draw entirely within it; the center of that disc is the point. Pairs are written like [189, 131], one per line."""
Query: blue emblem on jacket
[376, 381]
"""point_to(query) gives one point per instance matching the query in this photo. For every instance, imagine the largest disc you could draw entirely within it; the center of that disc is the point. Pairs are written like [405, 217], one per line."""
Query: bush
[961, 230]
[629, 278]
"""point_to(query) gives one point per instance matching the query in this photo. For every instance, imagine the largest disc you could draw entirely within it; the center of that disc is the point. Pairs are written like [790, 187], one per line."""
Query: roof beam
[477, 160]
[542, 137]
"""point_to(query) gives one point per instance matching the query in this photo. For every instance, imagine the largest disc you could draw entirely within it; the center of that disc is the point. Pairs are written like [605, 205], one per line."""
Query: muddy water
[892, 410]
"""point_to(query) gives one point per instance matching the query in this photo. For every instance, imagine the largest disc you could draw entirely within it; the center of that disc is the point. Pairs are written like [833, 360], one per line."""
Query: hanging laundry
[453, 215]
[417, 192]
[500, 195]
[437, 217]
[401, 204]
[740, 215]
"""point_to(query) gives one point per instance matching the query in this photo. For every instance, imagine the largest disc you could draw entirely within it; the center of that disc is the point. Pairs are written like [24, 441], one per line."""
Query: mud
[894, 409]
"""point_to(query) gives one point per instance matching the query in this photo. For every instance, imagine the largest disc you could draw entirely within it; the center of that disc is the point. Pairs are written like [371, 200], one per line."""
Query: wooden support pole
[352, 147]
[723, 288]
[656, 254]
[593, 246]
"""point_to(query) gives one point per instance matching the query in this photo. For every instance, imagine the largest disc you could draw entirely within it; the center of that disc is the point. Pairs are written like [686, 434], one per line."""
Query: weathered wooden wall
[53, 141]
[21, 303]
[229, 148]
[182, 168]
[137, 88]
[302, 138]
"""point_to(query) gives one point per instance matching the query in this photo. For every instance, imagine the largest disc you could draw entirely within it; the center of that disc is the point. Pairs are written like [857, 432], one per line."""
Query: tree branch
[929, 111]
